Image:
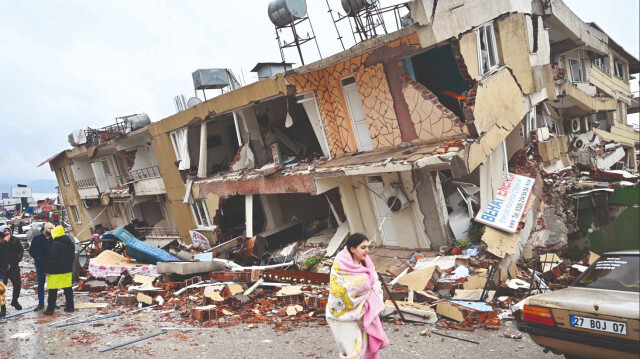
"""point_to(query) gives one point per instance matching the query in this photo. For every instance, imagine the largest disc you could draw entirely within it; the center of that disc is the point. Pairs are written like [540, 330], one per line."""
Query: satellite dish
[193, 101]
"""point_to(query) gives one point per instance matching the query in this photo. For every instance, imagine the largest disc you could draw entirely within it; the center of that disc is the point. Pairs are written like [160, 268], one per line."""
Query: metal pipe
[17, 314]
[89, 320]
[133, 341]
[452, 337]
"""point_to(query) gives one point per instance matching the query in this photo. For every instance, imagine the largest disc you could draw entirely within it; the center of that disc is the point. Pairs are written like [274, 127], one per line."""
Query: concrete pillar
[433, 206]
[248, 214]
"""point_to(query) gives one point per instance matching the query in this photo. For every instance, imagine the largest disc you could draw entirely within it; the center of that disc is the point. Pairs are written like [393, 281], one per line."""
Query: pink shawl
[373, 304]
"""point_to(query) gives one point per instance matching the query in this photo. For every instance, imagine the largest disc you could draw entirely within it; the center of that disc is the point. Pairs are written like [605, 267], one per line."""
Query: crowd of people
[53, 253]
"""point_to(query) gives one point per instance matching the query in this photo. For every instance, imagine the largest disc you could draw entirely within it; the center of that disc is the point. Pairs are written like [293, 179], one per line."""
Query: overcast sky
[73, 64]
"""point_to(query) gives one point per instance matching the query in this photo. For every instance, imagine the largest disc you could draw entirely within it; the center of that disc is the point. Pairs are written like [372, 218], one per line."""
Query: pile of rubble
[464, 291]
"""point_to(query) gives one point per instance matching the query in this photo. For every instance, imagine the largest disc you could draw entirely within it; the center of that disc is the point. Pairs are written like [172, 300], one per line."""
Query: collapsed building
[405, 137]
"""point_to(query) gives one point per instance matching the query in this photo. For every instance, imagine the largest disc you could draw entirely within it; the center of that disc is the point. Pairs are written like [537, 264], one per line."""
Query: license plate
[599, 324]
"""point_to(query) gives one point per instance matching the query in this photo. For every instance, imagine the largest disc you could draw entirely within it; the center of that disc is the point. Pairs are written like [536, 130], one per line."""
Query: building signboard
[506, 210]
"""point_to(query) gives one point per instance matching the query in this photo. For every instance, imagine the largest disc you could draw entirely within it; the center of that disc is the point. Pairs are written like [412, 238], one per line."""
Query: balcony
[158, 236]
[602, 78]
[87, 188]
[146, 181]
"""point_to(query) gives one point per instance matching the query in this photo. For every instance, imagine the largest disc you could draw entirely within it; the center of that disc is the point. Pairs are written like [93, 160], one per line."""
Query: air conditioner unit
[575, 125]
[87, 203]
[579, 143]
[395, 199]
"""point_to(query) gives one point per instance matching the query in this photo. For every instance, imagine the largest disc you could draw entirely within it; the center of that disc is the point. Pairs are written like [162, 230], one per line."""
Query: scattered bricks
[231, 290]
[206, 313]
[315, 302]
[290, 299]
[230, 276]
[191, 281]
[292, 276]
[94, 286]
[126, 299]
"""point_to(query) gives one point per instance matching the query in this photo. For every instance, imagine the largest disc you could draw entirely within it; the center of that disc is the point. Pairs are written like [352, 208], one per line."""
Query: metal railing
[86, 183]
[155, 232]
[602, 67]
[144, 173]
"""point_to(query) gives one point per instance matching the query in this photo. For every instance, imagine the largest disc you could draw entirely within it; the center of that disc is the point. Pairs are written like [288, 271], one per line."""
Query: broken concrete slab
[421, 279]
[414, 312]
[185, 268]
[341, 235]
[473, 294]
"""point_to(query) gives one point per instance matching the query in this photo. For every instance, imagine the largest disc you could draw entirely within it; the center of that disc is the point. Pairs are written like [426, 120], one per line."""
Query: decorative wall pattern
[374, 93]
[378, 106]
[432, 120]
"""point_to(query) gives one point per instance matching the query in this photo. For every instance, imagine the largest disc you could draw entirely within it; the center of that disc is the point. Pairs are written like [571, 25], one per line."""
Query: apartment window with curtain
[487, 49]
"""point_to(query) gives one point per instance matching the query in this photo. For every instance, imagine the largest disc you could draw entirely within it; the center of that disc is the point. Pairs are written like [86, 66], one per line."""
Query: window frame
[76, 214]
[117, 210]
[65, 176]
[618, 64]
[201, 213]
[580, 67]
[490, 41]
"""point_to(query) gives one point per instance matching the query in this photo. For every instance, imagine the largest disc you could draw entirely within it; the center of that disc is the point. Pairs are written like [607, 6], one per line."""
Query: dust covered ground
[32, 335]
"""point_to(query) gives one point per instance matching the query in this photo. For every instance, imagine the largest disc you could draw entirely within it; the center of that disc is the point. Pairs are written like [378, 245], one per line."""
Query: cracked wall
[432, 120]
[376, 78]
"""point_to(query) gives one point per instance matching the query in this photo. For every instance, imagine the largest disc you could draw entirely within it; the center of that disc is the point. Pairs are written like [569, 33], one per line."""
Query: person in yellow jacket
[59, 269]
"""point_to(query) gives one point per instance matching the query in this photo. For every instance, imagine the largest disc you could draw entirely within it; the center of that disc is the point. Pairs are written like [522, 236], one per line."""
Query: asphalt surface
[32, 336]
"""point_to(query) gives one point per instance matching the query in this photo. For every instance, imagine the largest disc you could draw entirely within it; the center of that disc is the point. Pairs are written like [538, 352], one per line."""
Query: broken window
[75, 215]
[181, 148]
[65, 177]
[487, 49]
[603, 64]
[618, 68]
[577, 72]
[438, 70]
[117, 210]
[201, 213]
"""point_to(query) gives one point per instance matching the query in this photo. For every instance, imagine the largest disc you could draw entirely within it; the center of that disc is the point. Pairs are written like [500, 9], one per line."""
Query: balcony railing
[86, 183]
[158, 232]
[602, 67]
[144, 173]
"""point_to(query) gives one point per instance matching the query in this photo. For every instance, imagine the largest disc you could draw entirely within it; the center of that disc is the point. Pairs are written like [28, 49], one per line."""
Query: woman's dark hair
[354, 241]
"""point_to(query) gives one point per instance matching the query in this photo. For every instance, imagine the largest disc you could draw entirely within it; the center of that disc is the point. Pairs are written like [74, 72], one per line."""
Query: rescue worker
[59, 269]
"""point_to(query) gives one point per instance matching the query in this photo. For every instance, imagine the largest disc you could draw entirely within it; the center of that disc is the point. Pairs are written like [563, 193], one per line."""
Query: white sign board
[19, 192]
[199, 240]
[507, 209]
[79, 136]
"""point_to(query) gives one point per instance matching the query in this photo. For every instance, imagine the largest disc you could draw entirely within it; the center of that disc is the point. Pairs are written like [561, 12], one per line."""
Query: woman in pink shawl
[355, 302]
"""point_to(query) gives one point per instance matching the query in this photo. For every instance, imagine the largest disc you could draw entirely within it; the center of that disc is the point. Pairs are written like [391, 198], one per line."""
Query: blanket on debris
[356, 296]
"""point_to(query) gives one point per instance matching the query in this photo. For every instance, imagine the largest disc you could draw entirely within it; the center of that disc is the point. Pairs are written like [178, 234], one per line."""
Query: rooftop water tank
[210, 79]
[135, 122]
[353, 6]
[284, 12]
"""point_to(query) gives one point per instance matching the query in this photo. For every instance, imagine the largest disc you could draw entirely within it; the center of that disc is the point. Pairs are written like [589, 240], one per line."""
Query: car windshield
[618, 272]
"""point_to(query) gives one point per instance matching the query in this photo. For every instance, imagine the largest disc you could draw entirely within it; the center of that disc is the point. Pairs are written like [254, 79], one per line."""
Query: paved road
[31, 336]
